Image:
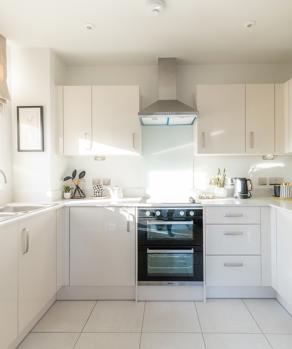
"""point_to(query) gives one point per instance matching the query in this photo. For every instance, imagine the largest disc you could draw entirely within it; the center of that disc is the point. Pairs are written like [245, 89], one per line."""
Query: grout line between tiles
[85, 323]
[251, 314]
[142, 325]
[197, 313]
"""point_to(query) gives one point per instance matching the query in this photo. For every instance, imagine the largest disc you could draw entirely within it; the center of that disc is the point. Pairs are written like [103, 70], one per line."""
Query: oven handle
[169, 222]
[190, 251]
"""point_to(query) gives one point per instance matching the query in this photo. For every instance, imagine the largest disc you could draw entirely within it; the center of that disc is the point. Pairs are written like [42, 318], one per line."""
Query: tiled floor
[217, 324]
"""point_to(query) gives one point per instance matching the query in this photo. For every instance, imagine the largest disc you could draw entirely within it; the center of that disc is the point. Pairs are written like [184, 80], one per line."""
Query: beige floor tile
[108, 341]
[225, 316]
[236, 341]
[170, 317]
[49, 341]
[116, 317]
[172, 341]
[270, 316]
[280, 341]
[65, 316]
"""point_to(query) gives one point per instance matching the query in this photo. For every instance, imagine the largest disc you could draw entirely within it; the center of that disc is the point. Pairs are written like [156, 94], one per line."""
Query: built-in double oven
[170, 245]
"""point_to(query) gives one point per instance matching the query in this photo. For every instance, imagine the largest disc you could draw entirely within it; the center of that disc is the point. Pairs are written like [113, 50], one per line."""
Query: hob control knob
[148, 213]
[192, 213]
[181, 213]
[157, 213]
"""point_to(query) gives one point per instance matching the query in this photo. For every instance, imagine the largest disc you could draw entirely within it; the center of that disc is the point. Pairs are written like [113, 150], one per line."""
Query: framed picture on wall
[30, 128]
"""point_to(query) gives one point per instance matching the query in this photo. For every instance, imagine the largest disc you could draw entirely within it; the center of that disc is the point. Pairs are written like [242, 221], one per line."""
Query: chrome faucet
[4, 176]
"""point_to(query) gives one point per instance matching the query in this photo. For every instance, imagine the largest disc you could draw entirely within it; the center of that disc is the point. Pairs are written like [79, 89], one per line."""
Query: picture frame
[30, 129]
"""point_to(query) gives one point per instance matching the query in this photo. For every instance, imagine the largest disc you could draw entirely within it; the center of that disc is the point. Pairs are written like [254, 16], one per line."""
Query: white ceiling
[195, 31]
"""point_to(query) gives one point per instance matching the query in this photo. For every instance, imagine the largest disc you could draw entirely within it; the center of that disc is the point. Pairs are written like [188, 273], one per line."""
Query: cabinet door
[8, 284]
[115, 122]
[37, 265]
[260, 119]
[221, 121]
[288, 115]
[284, 256]
[102, 246]
[77, 120]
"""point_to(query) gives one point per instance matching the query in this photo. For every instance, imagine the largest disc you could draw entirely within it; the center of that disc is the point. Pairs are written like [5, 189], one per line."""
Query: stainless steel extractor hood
[167, 110]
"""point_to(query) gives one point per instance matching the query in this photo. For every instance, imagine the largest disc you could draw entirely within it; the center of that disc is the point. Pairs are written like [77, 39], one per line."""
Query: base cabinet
[8, 285]
[37, 265]
[284, 257]
[102, 246]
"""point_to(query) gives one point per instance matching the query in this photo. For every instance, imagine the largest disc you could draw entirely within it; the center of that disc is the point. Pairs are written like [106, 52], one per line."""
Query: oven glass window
[170, 263]
[163, 230]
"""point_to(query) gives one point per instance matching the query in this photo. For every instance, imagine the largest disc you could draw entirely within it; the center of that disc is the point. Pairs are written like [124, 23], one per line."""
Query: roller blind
[4, 93]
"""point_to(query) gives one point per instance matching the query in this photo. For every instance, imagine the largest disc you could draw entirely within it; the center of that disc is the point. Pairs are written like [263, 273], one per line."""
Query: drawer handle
[233, 233]
[233, 215]
[233, 265]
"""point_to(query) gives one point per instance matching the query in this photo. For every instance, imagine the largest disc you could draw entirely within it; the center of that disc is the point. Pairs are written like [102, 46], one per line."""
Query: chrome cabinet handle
[233, 265]
[25, 240]
[150, 222]
[88, 139]
[233, 215]
[203, 139]
[134, 140]
[233, 233]
[190, 251]
[128, 226]
[251, 139]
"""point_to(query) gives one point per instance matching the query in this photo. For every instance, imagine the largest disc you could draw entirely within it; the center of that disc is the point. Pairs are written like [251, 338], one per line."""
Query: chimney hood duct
[167, 110]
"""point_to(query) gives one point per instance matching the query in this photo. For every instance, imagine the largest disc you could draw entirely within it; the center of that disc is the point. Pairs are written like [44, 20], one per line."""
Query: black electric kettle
[242, 188]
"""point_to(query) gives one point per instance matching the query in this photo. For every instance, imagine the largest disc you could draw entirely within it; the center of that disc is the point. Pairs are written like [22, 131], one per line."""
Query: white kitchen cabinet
[37, 265]
[77, 120]
[221, 121]
[102, 246]
[260, 118]
[284, 257]
[8, 284]
[115, 122]
[233, 270]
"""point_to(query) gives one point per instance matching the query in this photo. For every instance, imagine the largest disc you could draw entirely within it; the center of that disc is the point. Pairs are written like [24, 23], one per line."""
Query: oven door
[157, 232]
[170, 264]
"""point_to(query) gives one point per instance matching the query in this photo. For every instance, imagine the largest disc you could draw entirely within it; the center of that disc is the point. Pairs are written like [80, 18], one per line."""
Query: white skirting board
[161, 293]
[286, 305]
[96, 293]
[240, 292]
[26, 331]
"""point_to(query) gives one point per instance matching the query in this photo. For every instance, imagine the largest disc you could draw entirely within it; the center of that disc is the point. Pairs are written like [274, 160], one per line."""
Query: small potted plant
[67, 192]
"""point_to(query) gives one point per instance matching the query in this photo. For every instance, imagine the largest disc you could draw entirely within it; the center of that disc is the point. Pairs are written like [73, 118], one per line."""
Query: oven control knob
[192, 213]
[157, 213]
[148, 213]
[181, 213]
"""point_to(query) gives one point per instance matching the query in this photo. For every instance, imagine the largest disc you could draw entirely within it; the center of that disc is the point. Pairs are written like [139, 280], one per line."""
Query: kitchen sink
[7, 215]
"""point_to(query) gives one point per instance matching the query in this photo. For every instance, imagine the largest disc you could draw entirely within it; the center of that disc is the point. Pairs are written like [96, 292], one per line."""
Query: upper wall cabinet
[260, 119]
[77, 120]
[115, 122]
[101, 120]
[221, 121]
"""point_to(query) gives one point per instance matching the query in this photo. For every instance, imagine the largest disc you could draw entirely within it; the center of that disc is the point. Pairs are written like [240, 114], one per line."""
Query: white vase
[67, 196]
[220, 192]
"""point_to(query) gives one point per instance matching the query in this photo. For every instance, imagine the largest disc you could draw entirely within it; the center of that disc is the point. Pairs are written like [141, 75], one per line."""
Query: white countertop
[139, 202]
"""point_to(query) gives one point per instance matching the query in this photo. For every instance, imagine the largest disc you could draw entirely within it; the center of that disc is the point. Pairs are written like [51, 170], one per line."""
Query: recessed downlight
[250, 24]
[156, 6]
[89, 26]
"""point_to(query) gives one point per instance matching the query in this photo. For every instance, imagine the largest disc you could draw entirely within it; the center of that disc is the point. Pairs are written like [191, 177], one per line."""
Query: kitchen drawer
[233, 215]
[233, 239]
[233, 270]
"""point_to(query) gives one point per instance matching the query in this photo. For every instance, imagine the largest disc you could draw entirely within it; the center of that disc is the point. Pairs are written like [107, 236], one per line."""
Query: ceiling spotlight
[89, 26]
[250, 24]
[156, 6]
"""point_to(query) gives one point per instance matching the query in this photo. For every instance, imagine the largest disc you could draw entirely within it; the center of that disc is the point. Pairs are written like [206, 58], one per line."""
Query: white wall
[36, 174]
[5, 153]
[134, 170]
